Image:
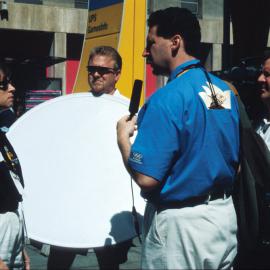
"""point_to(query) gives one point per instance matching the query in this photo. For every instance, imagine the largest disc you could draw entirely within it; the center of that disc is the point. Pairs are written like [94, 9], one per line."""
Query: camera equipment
[244, 77]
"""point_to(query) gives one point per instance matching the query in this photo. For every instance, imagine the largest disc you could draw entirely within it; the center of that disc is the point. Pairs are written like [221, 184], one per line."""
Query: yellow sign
[122, 26]
[101, 22]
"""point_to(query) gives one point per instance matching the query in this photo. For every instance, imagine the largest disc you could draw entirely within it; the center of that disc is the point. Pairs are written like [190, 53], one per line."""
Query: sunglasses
[265, 73]
[100, 70]
[4, 84]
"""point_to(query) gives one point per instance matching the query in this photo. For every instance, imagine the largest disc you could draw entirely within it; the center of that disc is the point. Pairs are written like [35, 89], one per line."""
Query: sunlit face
[264, 80]
[157, 52]
[102, 75]
[6, 91]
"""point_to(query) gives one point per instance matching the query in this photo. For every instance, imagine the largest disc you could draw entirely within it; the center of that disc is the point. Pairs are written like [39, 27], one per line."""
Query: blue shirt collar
[181, 68]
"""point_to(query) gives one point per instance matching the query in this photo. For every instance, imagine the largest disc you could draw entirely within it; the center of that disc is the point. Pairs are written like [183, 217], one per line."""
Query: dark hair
[107, 51]
[266, 56]
[175, 20]
[5, 69]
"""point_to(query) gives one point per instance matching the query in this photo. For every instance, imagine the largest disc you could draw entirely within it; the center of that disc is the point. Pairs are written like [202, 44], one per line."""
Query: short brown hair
[107, 51]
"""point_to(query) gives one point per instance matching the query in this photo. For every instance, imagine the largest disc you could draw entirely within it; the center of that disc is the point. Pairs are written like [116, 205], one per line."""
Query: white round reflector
[77, 191]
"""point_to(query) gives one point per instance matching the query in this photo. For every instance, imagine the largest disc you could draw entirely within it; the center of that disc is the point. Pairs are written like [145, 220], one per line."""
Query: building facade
[43, 39]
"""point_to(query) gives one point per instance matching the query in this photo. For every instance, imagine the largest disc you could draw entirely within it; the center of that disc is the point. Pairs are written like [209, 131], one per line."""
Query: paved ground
[88, 261]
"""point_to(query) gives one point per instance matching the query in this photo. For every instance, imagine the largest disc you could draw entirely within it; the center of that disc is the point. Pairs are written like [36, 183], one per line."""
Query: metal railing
[61, 3]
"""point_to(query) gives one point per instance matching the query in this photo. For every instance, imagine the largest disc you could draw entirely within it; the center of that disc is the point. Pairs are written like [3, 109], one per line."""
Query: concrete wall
[212, 18]
[58, 3]
[211, 26]
[60, 18]
[45, 18]
[212, 9]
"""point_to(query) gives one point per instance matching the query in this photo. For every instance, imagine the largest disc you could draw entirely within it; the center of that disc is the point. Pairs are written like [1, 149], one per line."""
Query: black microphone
[133, 109]
[135, 98]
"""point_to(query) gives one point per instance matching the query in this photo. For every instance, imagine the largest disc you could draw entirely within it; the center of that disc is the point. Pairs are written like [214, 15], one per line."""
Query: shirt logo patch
[136, 157]
[223, 97]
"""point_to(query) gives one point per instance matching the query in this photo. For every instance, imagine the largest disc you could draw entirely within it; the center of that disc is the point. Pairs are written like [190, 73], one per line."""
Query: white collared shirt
[264, 131]
[117, 94]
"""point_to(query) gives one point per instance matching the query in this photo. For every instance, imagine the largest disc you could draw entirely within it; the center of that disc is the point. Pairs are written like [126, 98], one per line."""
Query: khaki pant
[198, 237]
[11, 239]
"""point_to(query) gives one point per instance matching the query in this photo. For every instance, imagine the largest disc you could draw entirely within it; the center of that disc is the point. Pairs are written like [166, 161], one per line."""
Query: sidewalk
[39, 261]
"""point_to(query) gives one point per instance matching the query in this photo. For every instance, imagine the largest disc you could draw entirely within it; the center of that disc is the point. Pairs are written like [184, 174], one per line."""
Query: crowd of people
[185, 157]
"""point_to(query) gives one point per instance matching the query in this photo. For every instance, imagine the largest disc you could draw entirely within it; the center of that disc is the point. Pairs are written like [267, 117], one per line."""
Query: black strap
[215, 102]
[10, 157]
[197, 65]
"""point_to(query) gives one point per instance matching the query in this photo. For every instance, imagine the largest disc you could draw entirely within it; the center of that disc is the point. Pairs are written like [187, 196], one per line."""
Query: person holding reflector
[104, 69]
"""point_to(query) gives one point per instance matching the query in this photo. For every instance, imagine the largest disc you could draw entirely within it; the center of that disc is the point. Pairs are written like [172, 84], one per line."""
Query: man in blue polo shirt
[186, 153]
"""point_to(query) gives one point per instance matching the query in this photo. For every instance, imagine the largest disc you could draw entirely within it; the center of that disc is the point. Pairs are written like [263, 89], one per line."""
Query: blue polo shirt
[183, 144]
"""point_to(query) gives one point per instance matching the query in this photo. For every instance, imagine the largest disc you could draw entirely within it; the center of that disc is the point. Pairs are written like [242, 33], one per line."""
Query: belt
[193, 201]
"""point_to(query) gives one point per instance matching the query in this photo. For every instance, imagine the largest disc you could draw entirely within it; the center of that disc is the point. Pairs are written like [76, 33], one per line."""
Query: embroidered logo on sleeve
[136, 157]
[223, 97]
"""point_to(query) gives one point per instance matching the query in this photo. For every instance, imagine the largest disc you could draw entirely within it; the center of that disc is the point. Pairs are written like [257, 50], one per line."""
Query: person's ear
[117, 75]
[176, 41]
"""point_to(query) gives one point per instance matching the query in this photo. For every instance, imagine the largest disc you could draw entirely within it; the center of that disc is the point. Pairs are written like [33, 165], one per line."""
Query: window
[81, 3]
[194, 6]
[36, 2]
[65, 3]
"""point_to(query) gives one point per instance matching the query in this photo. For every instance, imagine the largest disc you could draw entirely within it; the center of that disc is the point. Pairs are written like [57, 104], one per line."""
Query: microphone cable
[134, 213]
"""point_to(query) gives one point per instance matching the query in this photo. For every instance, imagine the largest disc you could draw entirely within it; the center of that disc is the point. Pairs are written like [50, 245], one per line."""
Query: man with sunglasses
[186, 153]
[12, 253]
[264, 81]
[104, 69]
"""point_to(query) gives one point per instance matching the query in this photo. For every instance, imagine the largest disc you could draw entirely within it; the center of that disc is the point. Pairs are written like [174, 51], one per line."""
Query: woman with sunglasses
[12, 253]
[7, 91]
